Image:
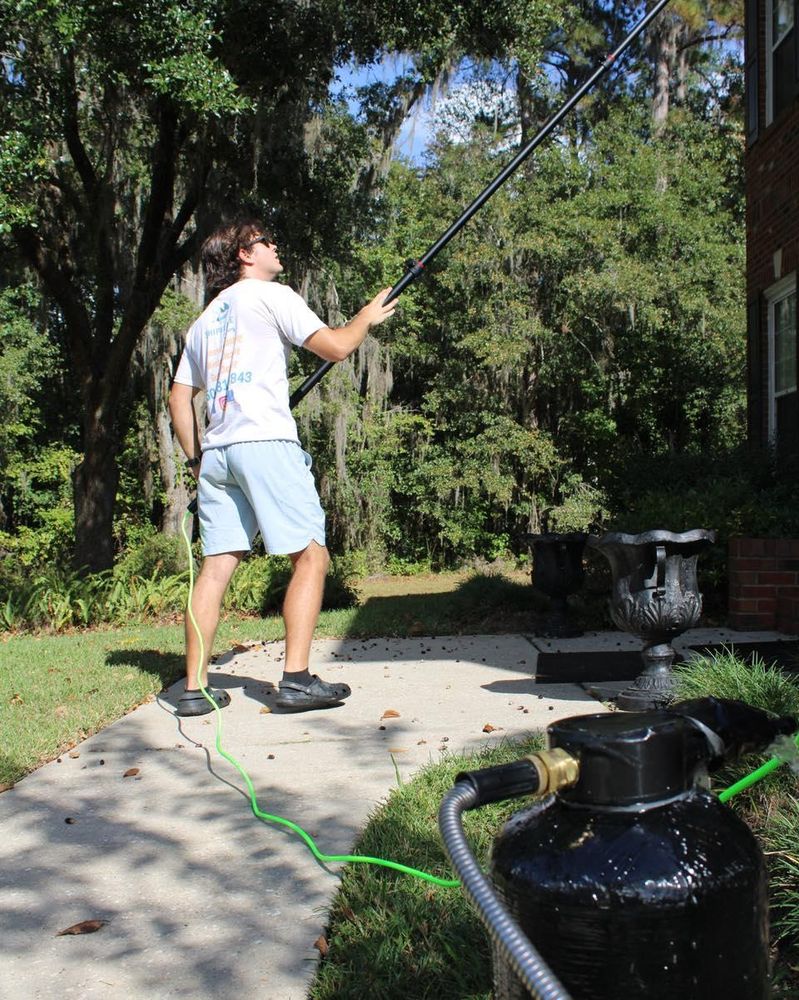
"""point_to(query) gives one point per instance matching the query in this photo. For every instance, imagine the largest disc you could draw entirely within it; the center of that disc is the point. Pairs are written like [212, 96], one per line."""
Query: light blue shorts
[253, 486]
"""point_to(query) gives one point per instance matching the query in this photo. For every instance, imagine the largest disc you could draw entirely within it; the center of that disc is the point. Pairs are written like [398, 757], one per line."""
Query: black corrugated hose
[528, 965]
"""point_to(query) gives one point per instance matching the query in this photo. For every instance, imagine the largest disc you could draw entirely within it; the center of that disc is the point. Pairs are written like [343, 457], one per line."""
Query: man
[251, 471]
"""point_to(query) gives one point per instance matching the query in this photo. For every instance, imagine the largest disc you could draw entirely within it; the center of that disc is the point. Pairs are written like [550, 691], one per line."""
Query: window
[782, 56]
[752, 71]
[782, 335]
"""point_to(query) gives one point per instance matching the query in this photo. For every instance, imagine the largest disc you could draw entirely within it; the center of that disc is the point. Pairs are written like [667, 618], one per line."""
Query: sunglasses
[266, 239]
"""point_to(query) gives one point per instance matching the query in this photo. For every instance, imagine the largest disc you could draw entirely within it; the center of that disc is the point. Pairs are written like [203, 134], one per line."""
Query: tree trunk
[176, 489]
[664, 56]
[95, 487]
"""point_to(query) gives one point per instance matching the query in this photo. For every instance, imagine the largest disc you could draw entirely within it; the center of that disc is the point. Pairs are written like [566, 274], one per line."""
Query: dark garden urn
[557, 572]
[655, 596]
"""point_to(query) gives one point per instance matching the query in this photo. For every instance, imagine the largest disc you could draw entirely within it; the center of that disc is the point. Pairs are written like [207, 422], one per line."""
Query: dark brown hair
[220, 253]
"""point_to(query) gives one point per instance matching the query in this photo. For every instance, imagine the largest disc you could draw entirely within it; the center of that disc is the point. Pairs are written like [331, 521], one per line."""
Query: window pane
[784, 73]
[785, 344]
[782, 19]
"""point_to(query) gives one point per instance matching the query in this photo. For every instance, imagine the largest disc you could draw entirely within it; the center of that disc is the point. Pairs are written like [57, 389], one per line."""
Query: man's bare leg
[303, 603]
[206, 603]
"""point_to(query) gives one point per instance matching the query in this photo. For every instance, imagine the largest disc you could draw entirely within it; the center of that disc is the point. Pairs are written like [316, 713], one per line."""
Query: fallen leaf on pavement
[390, 713]
[321, 945]
[74, 755]
[131, 772]
[265, 710]
[488, 728]
[84, 927]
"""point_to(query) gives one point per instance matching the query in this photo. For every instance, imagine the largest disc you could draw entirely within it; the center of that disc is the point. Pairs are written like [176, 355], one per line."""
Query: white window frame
[770, 60]
[776, 293]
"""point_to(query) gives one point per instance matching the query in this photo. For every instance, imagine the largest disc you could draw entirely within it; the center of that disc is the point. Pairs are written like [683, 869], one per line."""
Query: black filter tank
[636, 883]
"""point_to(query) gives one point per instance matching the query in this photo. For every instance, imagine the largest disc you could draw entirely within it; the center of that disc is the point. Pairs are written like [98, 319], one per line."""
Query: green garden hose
[270, 817]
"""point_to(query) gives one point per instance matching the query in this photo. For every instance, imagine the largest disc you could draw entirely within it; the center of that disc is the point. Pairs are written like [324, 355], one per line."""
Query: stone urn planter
[557, 572]
[655, 596]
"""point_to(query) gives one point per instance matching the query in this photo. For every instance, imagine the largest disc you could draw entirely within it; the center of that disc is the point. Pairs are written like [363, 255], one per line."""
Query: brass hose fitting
[556, 769]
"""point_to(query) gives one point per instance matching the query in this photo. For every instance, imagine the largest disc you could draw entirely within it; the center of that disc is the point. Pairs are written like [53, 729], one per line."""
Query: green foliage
[158, 554]
[38, 491]
[26, 358]
[582, 506]
[590, 318]
[260, 583]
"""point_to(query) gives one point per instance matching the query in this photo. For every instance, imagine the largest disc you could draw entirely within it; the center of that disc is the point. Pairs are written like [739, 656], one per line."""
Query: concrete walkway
[199, 899]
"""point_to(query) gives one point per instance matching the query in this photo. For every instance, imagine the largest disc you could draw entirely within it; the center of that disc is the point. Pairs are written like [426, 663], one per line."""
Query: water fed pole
[416, 267]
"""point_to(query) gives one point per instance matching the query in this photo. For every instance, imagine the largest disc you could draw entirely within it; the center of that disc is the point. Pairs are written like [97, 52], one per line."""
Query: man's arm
[184, 420]
[338, 343]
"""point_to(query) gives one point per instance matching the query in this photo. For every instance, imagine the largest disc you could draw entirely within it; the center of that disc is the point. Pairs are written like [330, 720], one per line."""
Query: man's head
[240, 249]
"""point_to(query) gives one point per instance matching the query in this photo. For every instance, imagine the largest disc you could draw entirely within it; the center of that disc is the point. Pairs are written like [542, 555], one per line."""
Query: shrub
[260, 583]
[159, 554]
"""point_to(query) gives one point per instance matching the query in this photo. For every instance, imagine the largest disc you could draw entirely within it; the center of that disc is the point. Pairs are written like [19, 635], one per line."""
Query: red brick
[755, 591]
[777, 579]
[734, 546]
[788, 615]
[747, 622]
[751, 546]
[743, 563]
[741, 606]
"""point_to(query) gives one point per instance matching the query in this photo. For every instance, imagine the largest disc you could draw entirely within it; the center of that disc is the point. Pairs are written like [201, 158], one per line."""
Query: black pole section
[416, 267]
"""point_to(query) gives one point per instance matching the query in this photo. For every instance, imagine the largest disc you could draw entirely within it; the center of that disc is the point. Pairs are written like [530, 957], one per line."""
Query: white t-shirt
[238, 352]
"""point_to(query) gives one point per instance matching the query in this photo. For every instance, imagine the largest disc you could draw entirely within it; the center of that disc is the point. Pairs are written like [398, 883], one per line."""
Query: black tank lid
[631, 758]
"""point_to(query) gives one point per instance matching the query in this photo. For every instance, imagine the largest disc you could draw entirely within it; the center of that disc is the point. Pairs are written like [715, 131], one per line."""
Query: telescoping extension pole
[416, 267]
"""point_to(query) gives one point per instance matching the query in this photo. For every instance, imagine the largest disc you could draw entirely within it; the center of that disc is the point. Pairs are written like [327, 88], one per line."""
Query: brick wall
[764, 583]
[772, 224]
[772, 217]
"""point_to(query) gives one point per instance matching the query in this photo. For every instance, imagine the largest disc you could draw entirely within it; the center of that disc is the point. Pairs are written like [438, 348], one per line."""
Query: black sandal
[318, 694]
[195, 702]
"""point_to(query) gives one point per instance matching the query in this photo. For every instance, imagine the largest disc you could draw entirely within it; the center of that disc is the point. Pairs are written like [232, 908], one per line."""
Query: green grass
[397, 938]
[55, 690]
[725, 676]
[770, 807]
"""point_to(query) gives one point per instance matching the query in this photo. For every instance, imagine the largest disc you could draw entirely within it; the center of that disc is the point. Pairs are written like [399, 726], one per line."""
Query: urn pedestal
[557, 572]
[655, 596]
